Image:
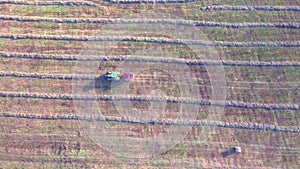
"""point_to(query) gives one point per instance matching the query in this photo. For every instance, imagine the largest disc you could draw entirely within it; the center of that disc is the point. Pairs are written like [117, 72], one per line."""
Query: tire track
[248, 125]
[251, 8]
[151, 21]
[170, 99]
[146, 59]
[48, 3]
[149, 40]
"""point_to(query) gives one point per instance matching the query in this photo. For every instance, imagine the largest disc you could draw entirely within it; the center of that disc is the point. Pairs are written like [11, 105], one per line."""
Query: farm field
[241, 89]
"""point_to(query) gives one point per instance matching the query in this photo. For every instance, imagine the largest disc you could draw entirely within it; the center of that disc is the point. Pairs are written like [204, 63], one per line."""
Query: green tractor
[116, 76]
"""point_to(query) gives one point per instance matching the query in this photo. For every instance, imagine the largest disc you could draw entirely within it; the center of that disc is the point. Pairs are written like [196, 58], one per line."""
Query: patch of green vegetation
[245, 2]
[240, 16]
[259, 54]
[2, 41]
[244, 35]
[41, 10]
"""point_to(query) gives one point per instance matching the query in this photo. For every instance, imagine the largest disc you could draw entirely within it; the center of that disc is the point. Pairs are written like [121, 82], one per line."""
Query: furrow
[247, 125]
[145, 59]
[150, 40]
[169, 99]
[150, 21]
[49, 3]
[252, 8]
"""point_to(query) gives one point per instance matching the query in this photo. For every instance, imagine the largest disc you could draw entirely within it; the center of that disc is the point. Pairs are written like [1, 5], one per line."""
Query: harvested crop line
[149, 1]
[252, 8]
[150, 21]
[150, 40]
[93, 77]
[145, 59]
[49, 76]
[248, 125]
[49, 3]
[169, 99]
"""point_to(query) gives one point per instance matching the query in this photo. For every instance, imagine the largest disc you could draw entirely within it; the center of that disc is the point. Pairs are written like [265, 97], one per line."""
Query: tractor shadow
[102, 83]
[228, 152]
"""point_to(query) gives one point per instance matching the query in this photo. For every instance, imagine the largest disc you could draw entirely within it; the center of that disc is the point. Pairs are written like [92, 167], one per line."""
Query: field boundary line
[151, 21]
[247, 125]
[146, 59]
[49, 3]
[251, 8]
[169, 99]
[150, 40]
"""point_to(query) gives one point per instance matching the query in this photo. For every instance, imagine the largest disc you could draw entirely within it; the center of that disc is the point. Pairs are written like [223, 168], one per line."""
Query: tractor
[116, 76]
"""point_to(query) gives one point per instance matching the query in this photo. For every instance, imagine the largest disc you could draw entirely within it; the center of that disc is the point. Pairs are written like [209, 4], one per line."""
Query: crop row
[150, 21]
[248, 125]
[151, 40]
[251, 8]
[150, 1]
[170, 99]
[48, 3]
[145, 59]
[237, 85]
[48, 76]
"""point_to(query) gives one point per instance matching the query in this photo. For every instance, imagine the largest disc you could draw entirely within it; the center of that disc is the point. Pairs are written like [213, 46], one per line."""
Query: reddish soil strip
[263, 74]
[263, 138]
[46, 47]
[48, 3]
[254, 3]
[251, 8]
[37, 85]
[232, 137]
[274, 117]
[264, 95]
[151, 21]
[208, 150]
[258, 54]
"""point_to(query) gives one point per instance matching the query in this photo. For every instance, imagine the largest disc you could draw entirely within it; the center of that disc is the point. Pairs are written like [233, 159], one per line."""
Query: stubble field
[258, 45]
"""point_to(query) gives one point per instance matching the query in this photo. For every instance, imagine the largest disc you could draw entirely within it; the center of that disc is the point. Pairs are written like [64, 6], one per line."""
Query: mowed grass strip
[46, 47]
[74, 48]
[260, 141]
[230, 115]
[153, 40]
[248, 3]
[48, 3]
[190, 12]
[246, 94]
[289, 74]
[213, 34]
[274, 117]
